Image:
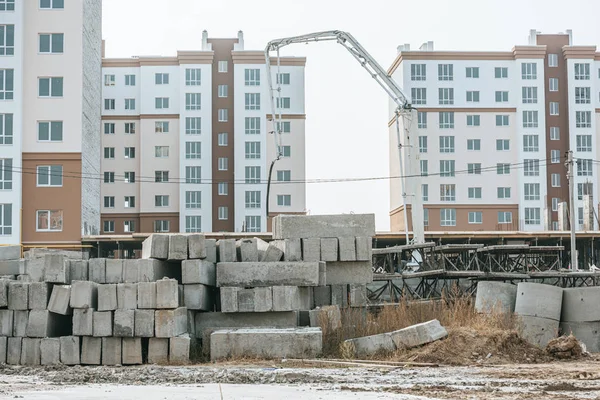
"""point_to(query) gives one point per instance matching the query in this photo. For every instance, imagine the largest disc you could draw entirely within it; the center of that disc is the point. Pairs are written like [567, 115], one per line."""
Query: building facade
[493, 133]
[187, 141]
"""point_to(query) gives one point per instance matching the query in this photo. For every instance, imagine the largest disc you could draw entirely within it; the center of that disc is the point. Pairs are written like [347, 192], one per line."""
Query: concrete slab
[4, 292]
[268, 274]
[328, 318]
[340, 273]
[131, 271]
[18, 295]
[214, 320]
[167, 294]
[156, 246]
[56, 269]
[97, 270]
[123, 325]
[196, 246]
[107, 297]
[21, 319]
[13, 350]
[370, 345]
[580, 304]
[247, 250]
[127, 296]
[178, 247]
[170, 323]
[537, 331]
[111, 350]
[70, 350]
[419, 334]
[347, 248]
[311, 249]
[91, 350]
[132, 351]
[227, 250]
[50, 351]
[357, 295]
[495, 297]
[102, 323]
[6, 322]
[83, 321]
[79, 270]
[211, 250]
[39, 294]
[158, 351]
[319, 226]
[146, 296]
[114, 271]
[329, 249]
[538, 300]
[179, 349]
[84, 294]
[10, 252]
[30, 351]
[364, 248]
[198, 271]
[60, 300]
[43, 323]
[144, 323]
[199, 297]
[587, 332]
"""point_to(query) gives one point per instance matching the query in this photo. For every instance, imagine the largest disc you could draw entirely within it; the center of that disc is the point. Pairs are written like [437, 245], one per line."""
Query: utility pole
[570, 166]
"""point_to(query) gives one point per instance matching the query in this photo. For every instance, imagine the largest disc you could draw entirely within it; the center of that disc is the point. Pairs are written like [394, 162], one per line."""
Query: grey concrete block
[328, 318]
[196, 246]
[339, 295]
[179, 349]
[229, 299]
[131, 271]
[91, 350]
[292, 249]
[247, 250]
[347, 248]
[107, 297]
[43, 323]
[39, 294]
[150, 270]
[339, 273]
[97, 270]
[268, 274]
[199, 271]
[127, 296]
[156, 246]
[111, 350]
[79, 270]
[170, 323]
[3, 349]
[180, 296]
[322, 296]
[580, 304]
[10, 252]
[50, 351]
[144, 323]
[124, 321]
[198, 297]
[83, 321]
[102, 323]
[84, 294]
[214, 320]
[18, 295]
[132, 351]
[318, 226]
[158, 351]
[329, 249]
[538, 300]
[146, 296]
[357, 295]
[211, 250]
[178, 247]
[191, 322]
[227, 250]
[587, 332]
[57, 269]
[167, 294]
[114, 271]
[21, 319]
[4, 292]
[13, 350]
[35, 269]
[311, 249]
[60, 300]
[266, 343]
[364, 248]
[370, 345]
[419, 334]
[495, 297]
[70, 350]
[290, 298]
[537, 331]
[269, 252]
[258, 299]
[6, 322]
[30, 351]
[12, 267]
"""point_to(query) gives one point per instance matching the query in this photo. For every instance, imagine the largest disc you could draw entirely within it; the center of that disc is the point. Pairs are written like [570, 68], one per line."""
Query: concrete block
[269, 252]
[50, 351]
[18, 295]
[357, 295]
[6, 322]
[114, 271]
[218, 320]
[191, 323]
[229, 299]
[292, 249]
[322, 296]
[495, 297]
[266, 343]
[247, 250]
[587, 332]
[198, 297]
[13, 350]
[339, 295]
[538, 300]
[150, 270]
[91, 350]
[102, 323]
[179, 349]
[97, 270]
[4, 292]
[311, 249]
[127, 296]
[580, 304]
[419, 334]
[146, 296]
[79, 270]
[43, 323]
[132, 351]
[35, 269]
[131, 271]
[370, 345]
[255, 300]
[21, 278]
[39, 294]
[3, 349]
[156, 246]
[364, 248]
[144, 323]
[84, 294]
[70, 350]
[107, 297]
[328, 318]
[196, 246]
[167, 293]
[340, 273]
[111, 350]
[83, 321]
[227, 250]
[60, 300]
[170, 323]
[178, 247]
[10, 252]
[537, 331]
[290, 298]
[158, 351]
[211, 250]
[124, 321]
[30, 351]
[329, 249]
[12, 267]
[268, 274]
[21, 318]
[57, 269]
[199, 271]
[303, 318]
[180, 295]
[347, 248]
[319, 226]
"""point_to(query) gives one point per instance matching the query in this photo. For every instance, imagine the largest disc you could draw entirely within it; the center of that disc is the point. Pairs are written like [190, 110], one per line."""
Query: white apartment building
[493, 132]
[187, 141]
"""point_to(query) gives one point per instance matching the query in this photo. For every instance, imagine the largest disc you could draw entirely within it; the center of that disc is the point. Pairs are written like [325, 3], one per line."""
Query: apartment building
[493, 132]
[187, 141]
[50, 57]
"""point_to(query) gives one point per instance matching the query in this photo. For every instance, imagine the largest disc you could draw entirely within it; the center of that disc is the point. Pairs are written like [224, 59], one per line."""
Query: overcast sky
[346, 128]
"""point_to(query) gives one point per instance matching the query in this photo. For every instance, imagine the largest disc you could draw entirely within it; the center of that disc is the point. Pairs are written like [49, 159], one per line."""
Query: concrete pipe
[581, 304]
[538, 300]
[496, 297]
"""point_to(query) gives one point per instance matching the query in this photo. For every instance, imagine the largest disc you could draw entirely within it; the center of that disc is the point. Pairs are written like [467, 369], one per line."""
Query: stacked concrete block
[580, 316]
[60, 300]
[57, 269]
[539, 308]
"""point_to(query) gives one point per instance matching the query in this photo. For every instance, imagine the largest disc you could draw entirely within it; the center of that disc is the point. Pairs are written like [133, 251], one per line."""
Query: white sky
[346, 129]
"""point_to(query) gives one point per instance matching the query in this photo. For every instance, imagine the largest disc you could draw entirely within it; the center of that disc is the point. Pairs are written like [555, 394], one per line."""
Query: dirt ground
[276, 380]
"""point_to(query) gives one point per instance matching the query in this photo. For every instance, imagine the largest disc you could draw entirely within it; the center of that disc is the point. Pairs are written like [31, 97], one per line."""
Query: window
[253, 223]
[285, 126]
[109, 226]
[418, 72]
[474, 144]
[109, 152]
[252, 150]
[474, 168]
[531, 143]
[223, 189]
[554, 133]
[531, 167]
[129, 177]
[283, 102]
[584, 167]
[109, 128]
[553, 84]
[422, 144]
[50, 87]
[473, 96]
[252, 125]
[283, 78]
[475, 217]
[583, 95]
[446, 144]
[474, 193]
[582, 72]
[284, 200]
[129, 226]
[50, 131]
[284, 176]
[285, 151]
[503, 192]
[502, 144]
[532, 216]
[161, 127]
[529, 71]
[161, 103]
[425, 191]
[161, 78]
[50, 175]
[555, 156]
[109, 104]
[504, 217]
[193, 223]
[530, 119]
[193, 101]
[447, 192]
[6, 84]
[223, 213]
[426, 217]
[222, 90]
[253, 199]
[252, 101]
[445, 72]
[222, 66]
[223, 163]
[584, 142]
[161, 176]
[252, 175]
[553, 60]
[109, 177]
[555, 202]
[553, 108]
[555, 180]
[130, 128]
[7, 5]
[161, 225]
[501, 96]
[192, 174]
[193, 126]
[422, 120]
[472, 72]
[109, 201]
[501, 120]
[193, 77]
[529, 95]
[446, 120]
[129, 81]
[129, 202]
[418, 95]
[222, 139]
[6, 129]
[580, 215]
[193, 150]
[473, 120]
[447, 168]
[532, 191]
[161, 151]
[446, 95]
[252, 77]
[501, 72]
[223, 114]
[7, 40]
[193, 200]
[584, 189]
[448, 217]
[6, 178]
[54, 43]
[130, 104]
[54, 4]
[49, 220]
[423, 166]
[583, 119]
[503, 169]
[161, 201]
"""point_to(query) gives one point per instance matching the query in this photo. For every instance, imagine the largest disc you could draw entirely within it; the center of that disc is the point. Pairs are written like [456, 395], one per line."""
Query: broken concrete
[178, 247]
[196, 246]
[198, 297]
[340, 273]
[91, 350]
[60, 300]
[132, 351]
[227, 250]
[170, 323]
[268, 274]
[319, 226]
[84, 294]
[69, 350]
[50, 351]
[167, 294]
[156, 246]
[107, 297]
[247, 250]
[199, 271]
[124, 321]
[144, 323]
